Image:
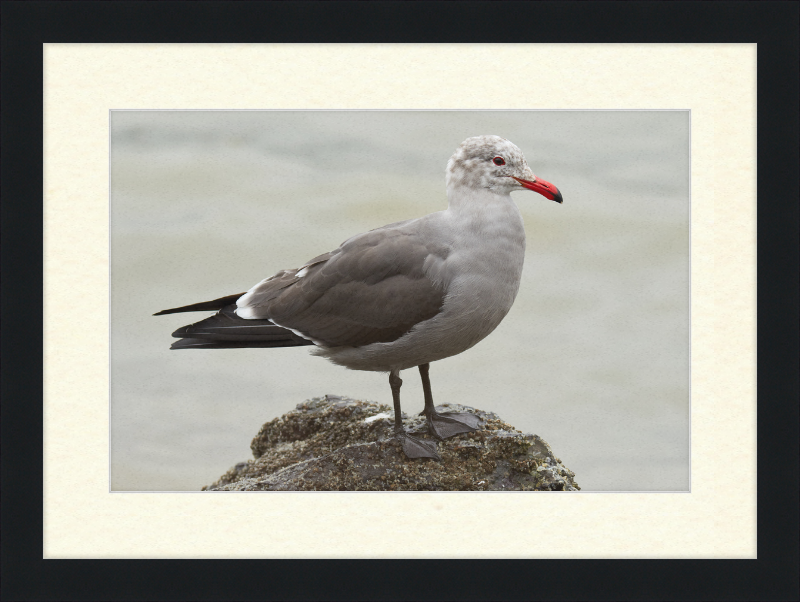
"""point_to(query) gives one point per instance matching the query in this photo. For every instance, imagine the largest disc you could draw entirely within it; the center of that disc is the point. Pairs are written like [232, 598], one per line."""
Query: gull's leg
[446, 424]
[413, 447]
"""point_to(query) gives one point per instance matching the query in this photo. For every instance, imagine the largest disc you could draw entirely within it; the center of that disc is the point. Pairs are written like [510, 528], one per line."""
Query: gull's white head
[496, 164]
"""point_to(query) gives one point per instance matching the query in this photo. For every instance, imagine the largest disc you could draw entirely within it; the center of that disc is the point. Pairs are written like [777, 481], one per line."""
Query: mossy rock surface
[334, 443]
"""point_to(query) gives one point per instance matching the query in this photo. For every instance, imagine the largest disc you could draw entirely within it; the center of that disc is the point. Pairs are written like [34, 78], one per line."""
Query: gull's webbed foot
[449, 424]
[417, 448]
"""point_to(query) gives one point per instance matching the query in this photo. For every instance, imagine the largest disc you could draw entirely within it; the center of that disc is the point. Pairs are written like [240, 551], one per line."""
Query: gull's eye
[499, 161]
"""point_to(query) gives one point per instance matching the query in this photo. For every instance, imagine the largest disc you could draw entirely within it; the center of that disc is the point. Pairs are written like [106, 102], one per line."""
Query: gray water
[593, 357]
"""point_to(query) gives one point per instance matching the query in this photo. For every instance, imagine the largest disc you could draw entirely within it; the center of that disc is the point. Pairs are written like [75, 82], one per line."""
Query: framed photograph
[193, 197]
[594, 356]
[168, 133]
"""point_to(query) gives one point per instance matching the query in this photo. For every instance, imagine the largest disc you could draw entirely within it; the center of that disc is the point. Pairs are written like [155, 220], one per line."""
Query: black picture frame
[26, 25]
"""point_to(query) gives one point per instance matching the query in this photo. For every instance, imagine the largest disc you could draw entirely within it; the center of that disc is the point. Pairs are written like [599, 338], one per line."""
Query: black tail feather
[210, 344]
[226, 330]
[204, 306]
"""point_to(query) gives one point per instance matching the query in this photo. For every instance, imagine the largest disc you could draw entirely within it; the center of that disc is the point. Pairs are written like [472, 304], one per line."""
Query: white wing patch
[298, 333]
[243, 308]
[248, 313]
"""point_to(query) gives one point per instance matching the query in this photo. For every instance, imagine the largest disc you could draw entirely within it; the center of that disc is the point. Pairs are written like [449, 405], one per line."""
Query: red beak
[546, 189]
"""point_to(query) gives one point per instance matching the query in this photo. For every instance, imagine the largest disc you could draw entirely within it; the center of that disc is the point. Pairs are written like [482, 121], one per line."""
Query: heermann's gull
[400, 296]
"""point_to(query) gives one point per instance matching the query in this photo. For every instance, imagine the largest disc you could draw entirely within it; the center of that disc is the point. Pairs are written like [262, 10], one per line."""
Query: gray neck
[488, 235]
[486, 213]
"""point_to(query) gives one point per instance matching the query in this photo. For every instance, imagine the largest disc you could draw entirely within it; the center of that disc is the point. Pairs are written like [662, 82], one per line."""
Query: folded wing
[373, 288]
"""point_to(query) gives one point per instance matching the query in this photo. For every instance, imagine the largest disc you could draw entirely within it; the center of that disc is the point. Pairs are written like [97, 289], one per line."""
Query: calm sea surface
[593, 357]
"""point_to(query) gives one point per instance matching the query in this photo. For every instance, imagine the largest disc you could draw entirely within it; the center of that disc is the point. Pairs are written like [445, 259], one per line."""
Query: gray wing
[371, 289]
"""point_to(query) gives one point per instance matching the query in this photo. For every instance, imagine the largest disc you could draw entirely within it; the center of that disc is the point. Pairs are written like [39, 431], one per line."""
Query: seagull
[401, 296]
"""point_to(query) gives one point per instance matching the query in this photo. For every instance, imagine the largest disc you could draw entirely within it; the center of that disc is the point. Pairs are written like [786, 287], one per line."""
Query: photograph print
[400, 300]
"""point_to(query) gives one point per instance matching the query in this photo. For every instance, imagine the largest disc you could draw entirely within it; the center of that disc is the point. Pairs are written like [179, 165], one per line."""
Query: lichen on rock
[334, 443]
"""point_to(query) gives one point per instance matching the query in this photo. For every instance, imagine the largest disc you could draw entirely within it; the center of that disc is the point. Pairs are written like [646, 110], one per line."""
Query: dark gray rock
[341, 444]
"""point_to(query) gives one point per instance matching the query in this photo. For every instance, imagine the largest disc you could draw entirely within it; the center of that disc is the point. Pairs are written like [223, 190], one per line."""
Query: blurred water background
[594, 357]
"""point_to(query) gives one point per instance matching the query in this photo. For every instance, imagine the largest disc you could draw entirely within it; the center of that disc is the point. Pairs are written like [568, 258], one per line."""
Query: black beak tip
[558, 198]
